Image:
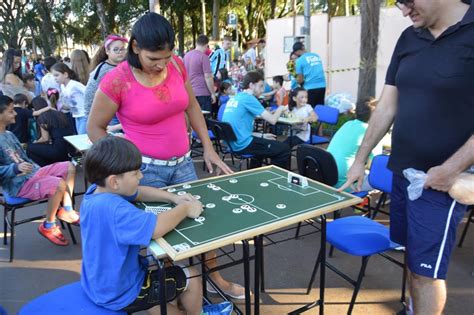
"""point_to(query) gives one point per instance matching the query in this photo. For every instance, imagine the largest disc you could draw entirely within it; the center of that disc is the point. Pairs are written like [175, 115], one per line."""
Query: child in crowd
[281, 95]
[21, 127]
[114, 275]
[72, 94]
[53, 126]
[299, 108]
[23, 115]
[224, 95]
[48, 81]
[21, 177]
[29, 82]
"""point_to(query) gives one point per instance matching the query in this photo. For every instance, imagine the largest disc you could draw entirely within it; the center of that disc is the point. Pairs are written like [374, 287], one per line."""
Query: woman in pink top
[150, 94]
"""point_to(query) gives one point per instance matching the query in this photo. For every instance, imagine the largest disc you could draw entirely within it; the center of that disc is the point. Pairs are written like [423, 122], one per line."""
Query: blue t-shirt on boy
[240, 113]
[311, 67]
[112, 231]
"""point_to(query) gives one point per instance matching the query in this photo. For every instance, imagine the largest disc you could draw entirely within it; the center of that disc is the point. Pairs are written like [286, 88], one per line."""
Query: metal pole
[203, 2]
[307, 24]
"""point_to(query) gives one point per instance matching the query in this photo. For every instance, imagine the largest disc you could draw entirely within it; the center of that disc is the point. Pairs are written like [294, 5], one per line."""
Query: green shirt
[345, 144]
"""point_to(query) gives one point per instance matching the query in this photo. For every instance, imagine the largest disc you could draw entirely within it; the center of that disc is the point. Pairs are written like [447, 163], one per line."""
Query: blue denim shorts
[161, 176]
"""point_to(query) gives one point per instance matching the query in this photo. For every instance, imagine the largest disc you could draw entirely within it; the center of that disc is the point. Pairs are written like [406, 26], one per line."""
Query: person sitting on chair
[240, 113]
[347, 140]
[114, 275]
[21, 177]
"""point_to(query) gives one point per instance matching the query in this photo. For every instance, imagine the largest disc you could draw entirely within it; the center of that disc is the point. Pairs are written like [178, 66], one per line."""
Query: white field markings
[275, 217]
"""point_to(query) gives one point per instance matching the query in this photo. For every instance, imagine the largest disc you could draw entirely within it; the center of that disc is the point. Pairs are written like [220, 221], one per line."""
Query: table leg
[322, 279]
[162, 279]
[204, 275]
[257, 245]
[248, 303]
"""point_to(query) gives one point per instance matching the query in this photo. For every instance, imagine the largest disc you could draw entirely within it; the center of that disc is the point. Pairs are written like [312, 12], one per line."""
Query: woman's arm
[199, 126]
[102, 111]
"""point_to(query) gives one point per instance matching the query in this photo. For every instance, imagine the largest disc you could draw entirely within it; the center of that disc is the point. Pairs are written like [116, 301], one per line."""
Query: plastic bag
[417, 180]
[344, 102]
[224, 308]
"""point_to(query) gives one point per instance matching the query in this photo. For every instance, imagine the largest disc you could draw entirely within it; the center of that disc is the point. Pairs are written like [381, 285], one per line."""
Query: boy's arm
[152, 194]
[186, 206]
[8, 171]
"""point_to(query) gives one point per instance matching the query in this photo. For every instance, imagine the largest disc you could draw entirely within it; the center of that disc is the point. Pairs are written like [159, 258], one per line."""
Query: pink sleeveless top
[152, 117]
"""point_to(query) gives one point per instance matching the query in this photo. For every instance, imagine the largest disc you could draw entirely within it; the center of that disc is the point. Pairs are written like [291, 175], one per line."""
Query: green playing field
[243, 202]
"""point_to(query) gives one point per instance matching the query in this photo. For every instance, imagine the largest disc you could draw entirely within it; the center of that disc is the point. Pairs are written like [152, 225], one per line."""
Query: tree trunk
[215, 19]
[370, 12]
[273, 8]
[47, 33]
[181, 32]
[104, 29]
[155, 6]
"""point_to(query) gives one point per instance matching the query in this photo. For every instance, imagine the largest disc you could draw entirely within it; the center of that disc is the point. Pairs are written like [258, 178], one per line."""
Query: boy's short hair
[251, 77]
[111, 155]
[278, 79]
[49, 62]
[365, 108]
[20, 99]
[5, 101]
[202, 40]
[28, 77]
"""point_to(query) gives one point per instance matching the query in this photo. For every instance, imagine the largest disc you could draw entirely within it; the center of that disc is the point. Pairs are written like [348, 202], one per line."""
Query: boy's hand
[184, 198]
[194, 209]
[25, 167]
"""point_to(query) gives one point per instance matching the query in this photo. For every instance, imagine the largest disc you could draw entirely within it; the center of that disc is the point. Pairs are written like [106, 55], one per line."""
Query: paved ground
[40, 267]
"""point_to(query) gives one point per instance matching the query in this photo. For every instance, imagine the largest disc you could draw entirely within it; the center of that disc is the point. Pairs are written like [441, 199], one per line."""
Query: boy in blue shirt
[240, 113]
[114, 275]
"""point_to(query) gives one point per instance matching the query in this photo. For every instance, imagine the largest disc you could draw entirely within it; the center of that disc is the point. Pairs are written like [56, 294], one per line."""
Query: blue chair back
[380, 177]
[327, 114]
[69, 299]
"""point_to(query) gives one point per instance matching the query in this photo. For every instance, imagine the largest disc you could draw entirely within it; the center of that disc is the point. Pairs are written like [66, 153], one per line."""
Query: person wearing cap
[310, 74]
[107, 58]
[429, 98]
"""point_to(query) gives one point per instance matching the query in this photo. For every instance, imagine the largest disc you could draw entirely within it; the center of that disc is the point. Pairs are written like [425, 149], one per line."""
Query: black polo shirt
[435, 82]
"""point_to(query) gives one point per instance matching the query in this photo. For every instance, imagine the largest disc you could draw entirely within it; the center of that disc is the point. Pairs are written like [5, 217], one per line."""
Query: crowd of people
[140, 88]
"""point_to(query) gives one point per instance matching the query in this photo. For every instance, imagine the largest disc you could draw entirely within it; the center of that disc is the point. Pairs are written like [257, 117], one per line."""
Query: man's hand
[213, 98]
[194, 209]
[355, 174]
[210, 157]
[25, 167]
[440, 178]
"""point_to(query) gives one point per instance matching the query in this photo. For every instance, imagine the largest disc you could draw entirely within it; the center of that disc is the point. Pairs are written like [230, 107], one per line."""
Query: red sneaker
[65, 216]
[54, 235]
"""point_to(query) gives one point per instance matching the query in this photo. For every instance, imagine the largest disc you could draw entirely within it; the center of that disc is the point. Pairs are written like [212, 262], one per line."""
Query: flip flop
[210, 289]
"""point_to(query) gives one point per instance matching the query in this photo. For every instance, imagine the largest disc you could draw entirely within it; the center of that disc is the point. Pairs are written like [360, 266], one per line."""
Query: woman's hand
[211, 157]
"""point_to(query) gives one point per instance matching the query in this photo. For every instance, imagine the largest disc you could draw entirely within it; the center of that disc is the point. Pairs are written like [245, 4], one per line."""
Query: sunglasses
[405, 4]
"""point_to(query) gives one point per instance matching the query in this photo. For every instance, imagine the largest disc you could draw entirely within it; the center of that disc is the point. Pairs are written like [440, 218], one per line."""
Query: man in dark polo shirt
[429, 97]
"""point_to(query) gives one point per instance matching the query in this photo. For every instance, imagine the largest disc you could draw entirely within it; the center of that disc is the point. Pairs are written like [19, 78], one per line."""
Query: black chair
[10, 205]
[319, 165]
[224, 134]
[470, 219]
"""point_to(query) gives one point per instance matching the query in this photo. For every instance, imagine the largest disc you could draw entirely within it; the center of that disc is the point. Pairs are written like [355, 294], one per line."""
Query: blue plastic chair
[69, 299]
[10, 205]
[357, 236]
[380, 178]
[328, 115]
